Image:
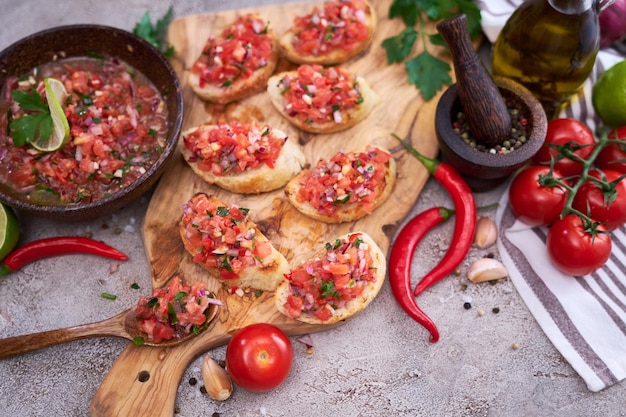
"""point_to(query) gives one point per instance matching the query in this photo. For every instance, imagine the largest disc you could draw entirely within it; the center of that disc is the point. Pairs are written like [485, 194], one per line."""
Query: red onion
[613, 23]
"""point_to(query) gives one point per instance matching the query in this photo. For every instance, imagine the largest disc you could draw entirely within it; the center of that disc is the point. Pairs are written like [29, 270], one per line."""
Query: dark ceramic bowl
[482, 170]
[83, 40]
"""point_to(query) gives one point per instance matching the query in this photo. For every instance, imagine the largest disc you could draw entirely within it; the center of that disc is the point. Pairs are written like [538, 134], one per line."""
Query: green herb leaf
[328, 290]
[138, 341]
[25, 129]
[222, 211]
[406, 10]
[428, 74]
[108, 296]
[156, 34]
[29, 100]
[399, 47]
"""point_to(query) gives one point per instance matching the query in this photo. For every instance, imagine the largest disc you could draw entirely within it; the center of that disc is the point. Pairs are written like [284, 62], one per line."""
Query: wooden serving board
[144, 380]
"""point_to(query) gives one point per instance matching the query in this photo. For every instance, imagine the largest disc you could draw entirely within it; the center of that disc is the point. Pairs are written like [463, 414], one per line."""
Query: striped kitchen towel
[584, 317]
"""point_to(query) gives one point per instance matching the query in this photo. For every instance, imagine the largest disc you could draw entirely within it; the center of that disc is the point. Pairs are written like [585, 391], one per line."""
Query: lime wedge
[55, 94]
[9, 230]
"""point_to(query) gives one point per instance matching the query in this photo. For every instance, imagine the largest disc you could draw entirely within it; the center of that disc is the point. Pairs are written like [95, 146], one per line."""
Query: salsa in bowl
[123, 105]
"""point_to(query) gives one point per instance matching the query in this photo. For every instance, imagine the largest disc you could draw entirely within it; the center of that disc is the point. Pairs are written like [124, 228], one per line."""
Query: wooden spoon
[123, 325]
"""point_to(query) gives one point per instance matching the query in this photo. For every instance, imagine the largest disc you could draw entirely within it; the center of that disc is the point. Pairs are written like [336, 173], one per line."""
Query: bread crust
[349, 118]
[265, 277]
[351, 308]
[347, 212]
[335, 56]
[242, 87]
[262, 179]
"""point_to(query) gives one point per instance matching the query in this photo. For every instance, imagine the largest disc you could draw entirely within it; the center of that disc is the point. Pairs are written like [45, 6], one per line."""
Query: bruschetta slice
[344, 188]
[330, 35]
[237, 63]
[247, 158]
[317, 99]
[337, 283]
[222, 239]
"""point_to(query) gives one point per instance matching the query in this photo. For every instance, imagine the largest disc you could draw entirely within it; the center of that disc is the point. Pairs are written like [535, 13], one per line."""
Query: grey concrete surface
[379, 364]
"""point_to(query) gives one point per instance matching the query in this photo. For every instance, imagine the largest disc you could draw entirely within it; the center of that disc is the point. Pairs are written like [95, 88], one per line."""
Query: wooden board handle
[144, 380]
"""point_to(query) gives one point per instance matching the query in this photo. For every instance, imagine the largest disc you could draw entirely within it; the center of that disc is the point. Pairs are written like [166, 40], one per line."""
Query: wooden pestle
[481, 101]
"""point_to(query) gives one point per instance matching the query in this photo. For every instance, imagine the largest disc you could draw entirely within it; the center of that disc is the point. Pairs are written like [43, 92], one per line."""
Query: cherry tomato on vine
[613, 156]
[574, 250]
[533, 202]
[259, 357]
[560, 132]
[603, 203]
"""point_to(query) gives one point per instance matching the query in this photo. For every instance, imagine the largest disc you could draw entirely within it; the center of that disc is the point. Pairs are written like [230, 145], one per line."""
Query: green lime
[55, 94]
[9, 230]
[609, 96]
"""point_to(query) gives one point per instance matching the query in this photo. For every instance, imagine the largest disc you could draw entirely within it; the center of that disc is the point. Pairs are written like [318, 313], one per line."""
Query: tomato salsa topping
[320, 95]
[242, 48]
[322, 285]
[174, 311]
[347, 178]
[340, 25]
[230, 149]
[222, 237]
[118, 128]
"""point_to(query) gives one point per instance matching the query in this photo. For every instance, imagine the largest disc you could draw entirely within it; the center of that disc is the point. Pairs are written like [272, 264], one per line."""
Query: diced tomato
[323, 313]
[334, 90]
[232, 148]
[242, 48]
[189, 302]
[347, 178]
[340, 25]
[339, 276]
[294, 306]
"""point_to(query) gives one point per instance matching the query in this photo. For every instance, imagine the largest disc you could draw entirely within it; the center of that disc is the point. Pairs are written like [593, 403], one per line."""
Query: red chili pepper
[402, 253]
[465, 222]
[54, 246]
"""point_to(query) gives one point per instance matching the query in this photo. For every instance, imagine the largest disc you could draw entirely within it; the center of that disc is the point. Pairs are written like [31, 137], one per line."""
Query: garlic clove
[216, 380]
[486, 232]
[486, 269]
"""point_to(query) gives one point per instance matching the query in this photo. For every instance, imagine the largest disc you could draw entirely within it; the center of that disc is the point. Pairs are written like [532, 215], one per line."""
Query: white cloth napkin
[584, 317]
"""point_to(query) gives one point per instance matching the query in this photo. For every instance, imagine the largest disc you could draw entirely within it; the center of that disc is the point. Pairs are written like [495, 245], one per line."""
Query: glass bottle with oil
[550, 47]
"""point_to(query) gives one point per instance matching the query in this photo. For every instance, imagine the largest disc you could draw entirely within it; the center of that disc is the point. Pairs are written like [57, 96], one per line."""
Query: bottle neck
[573, 7]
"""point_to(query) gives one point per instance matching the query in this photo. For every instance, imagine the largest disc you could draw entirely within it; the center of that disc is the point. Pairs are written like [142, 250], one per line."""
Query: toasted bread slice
[337, 283]
[310, 41]
[222, 239]
[332, 99]
[231, 69]
[241, 157]
[352, 185]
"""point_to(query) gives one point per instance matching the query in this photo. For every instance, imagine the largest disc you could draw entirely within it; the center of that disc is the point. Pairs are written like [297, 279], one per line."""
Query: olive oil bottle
[550, 47]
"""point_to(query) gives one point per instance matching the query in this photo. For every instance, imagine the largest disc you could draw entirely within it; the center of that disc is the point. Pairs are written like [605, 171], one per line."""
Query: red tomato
[259, 357]
[613, 156]
[605, 206]
[533, 203]
[574, 250]
[560, 132]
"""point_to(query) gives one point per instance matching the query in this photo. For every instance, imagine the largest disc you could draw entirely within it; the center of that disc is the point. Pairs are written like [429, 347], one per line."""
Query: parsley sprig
[156, 34]
[427, 72]
[37, 123]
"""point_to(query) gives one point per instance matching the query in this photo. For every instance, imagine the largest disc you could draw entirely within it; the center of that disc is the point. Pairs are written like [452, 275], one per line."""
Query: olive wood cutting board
[144, 380]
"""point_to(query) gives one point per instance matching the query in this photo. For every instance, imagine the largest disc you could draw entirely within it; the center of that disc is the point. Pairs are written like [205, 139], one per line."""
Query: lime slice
[55, 94]
[9, 230]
